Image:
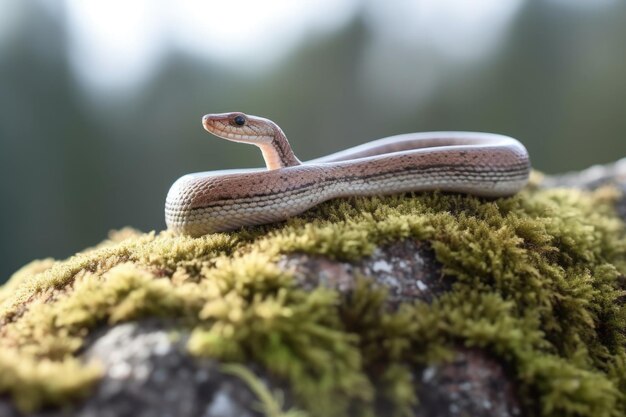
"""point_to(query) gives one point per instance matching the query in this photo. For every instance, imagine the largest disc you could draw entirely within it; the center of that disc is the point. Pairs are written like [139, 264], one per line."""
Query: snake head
[240, 127]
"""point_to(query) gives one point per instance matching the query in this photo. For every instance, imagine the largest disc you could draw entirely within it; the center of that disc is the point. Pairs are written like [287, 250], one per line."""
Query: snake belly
[479, 164]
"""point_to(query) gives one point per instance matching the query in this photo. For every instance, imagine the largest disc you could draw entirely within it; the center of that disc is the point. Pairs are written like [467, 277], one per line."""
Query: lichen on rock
[535, 282]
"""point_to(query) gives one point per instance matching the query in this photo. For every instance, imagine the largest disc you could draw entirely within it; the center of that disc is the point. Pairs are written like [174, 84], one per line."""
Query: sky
[261, 33]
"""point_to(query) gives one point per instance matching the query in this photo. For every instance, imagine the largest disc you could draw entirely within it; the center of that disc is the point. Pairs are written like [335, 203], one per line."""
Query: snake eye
[239, 120]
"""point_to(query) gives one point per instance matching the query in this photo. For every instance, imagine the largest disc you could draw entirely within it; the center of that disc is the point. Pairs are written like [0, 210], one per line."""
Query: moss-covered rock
[534, 281]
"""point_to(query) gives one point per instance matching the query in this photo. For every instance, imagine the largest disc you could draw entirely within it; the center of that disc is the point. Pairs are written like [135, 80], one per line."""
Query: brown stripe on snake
[258, 185]
[519, 174]
[477, 163]
[198, 213]
[234, 207]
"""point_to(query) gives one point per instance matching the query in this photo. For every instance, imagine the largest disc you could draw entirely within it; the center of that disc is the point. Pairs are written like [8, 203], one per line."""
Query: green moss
[270, 404]
[536, 284]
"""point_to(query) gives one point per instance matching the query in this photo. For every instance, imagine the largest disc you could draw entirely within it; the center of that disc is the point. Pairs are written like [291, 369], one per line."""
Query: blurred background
[100, 102]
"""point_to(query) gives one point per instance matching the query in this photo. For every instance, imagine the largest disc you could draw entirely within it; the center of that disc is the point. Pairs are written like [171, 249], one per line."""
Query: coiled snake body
[482, 164]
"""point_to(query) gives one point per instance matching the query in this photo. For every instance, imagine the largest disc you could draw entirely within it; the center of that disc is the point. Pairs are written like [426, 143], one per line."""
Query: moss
[536, 284]
[270, 404]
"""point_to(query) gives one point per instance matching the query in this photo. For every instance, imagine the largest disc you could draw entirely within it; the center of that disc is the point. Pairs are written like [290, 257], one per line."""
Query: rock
[149, 373]
[594, 177]
[160, 312]
[590, 178]
[472, 384]
[408, 269]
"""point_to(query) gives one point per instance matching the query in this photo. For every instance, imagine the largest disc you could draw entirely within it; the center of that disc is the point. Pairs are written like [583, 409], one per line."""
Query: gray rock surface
[594, 177]
[472, 384]
[590, 178]
[150, 374]
[408, 269]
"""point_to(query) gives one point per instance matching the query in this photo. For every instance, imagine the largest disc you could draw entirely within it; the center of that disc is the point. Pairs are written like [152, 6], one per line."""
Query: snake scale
[481, 164]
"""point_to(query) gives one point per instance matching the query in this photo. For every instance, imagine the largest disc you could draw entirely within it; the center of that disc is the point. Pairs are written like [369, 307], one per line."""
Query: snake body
[481, 164]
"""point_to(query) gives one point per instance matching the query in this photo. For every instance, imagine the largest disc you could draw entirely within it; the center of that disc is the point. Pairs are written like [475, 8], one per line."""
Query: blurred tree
[75, 164]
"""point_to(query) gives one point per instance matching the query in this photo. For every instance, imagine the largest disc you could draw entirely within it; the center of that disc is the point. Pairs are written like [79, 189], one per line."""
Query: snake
[482, 164]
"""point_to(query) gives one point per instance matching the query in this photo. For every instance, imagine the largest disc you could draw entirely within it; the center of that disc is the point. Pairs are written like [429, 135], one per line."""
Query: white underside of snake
[481, 164]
